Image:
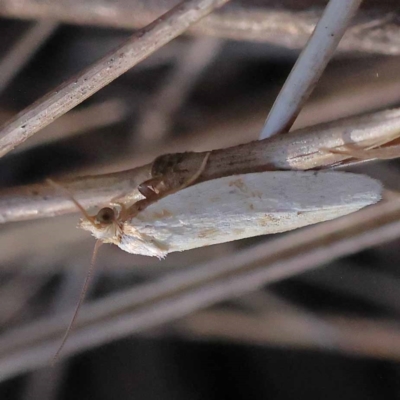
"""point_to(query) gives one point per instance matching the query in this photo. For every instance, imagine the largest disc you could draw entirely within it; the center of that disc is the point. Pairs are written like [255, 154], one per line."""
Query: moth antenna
[72, 198]
[81, 299]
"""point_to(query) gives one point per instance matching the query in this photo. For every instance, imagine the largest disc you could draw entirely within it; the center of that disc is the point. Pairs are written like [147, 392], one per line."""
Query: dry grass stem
[300, 150]
[84, 84]
[309, 66]
[360, 337]
[157, 116]
[288, 26]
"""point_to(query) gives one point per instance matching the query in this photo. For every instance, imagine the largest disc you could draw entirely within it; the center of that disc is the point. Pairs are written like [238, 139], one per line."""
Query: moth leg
[154, 189]
[149, 189]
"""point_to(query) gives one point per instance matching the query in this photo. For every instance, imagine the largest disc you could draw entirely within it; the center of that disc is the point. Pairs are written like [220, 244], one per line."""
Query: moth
[234, 207]
[226, 209]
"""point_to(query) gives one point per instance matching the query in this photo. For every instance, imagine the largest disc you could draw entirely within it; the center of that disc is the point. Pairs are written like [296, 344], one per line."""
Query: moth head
[104, 225]
[106, 216]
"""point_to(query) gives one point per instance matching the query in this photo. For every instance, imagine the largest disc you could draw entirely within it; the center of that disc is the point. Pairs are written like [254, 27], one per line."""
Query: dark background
[230, 94]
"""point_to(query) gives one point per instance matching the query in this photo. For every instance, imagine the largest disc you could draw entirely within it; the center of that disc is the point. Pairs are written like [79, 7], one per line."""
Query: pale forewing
[242, 206]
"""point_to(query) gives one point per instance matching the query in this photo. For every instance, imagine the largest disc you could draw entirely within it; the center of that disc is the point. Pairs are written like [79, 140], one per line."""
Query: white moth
[235, 207]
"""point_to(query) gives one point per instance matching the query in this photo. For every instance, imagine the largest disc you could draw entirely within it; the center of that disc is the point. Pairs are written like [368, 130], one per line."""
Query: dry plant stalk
[309, 66]
[288, 26]
[339, 143]
[355, 336]
[89, 81]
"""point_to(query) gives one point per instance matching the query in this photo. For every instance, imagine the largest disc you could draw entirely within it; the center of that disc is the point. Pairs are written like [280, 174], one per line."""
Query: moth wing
[242, 206]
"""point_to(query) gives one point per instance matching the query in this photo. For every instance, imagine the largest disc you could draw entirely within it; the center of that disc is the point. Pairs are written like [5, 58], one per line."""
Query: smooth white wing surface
[242, 206]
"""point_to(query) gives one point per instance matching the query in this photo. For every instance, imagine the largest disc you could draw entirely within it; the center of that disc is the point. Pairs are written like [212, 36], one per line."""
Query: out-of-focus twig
[181, 293]
[22, 51]
[375, 29]
[309, 66]
[156, 117]
[84, 84]
[351, 336]
[300, 150]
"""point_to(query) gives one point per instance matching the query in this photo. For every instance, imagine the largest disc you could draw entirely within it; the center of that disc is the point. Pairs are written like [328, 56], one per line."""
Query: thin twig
[299, 150]
[355, 336]
[181, 293]
[156, 118]
[288, 26]
[89, 81]
[309, 66]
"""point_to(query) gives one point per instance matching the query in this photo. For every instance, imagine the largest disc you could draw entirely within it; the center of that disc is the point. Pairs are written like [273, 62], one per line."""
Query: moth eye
[106, 215]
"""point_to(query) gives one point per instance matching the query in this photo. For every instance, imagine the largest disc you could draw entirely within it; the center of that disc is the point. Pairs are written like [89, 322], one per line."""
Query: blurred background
[332, 332]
